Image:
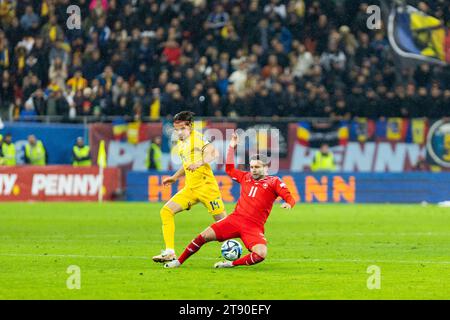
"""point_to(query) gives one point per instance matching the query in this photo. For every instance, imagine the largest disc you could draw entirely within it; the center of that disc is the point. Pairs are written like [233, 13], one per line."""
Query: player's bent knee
[209, 235]
[260, 251]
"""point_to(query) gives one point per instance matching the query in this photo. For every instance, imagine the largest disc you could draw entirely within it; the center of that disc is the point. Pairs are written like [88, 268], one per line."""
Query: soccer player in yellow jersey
[196, 154]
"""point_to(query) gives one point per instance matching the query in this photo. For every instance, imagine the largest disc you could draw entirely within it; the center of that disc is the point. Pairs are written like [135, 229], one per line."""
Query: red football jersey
[257, 196]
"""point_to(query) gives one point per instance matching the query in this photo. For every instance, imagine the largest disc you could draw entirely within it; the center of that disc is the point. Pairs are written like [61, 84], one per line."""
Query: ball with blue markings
[231, 250]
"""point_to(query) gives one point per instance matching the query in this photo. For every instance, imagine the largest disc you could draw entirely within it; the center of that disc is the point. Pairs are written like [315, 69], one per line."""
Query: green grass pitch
[315, 252]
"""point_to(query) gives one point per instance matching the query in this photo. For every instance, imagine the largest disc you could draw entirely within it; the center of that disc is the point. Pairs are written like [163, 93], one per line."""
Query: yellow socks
[168, 227]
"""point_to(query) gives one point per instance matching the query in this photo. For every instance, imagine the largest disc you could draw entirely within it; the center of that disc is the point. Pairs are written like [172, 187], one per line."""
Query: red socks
[192, 248]
[197, 243]
[251, 258]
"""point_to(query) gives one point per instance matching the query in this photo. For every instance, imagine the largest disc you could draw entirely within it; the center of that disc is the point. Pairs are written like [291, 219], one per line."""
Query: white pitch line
[204, 258]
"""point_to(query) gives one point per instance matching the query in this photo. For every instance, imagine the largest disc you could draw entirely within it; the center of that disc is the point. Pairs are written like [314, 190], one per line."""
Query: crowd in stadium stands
[233, 58]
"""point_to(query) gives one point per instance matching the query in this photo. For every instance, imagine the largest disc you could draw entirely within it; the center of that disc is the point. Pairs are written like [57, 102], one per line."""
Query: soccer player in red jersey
[258, 193]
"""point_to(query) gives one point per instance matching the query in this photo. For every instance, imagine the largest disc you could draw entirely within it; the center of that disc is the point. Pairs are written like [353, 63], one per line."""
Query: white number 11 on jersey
[252, 192]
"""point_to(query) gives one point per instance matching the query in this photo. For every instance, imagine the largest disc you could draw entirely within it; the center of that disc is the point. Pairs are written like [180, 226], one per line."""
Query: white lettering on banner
[302, 158]
[338, 156]
[95, 184]
[38, 184]
[415, 151]
[354, 157]
[390, 158]
[80, 185]
[66, 185]
[7, 182]
[367, 157]
[140, 159]
[51, 185]
[123, 153]
[120, 153]
[359, 157]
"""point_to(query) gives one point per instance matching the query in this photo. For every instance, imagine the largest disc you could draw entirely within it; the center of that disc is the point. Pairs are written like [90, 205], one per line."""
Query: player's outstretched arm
[234, 173]
[174, 177]
[285, 194]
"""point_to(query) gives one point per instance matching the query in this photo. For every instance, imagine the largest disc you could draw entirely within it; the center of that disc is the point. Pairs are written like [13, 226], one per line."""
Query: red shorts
[235, 227]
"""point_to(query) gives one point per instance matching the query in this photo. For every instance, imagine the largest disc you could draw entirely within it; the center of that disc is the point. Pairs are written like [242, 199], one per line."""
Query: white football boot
[172, 264]
[223, 264]
[165, 256]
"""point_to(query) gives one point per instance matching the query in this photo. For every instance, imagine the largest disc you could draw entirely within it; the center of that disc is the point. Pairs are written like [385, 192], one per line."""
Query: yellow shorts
[208, 194]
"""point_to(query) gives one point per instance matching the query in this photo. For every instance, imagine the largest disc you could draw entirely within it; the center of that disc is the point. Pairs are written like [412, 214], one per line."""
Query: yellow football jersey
[191, 151]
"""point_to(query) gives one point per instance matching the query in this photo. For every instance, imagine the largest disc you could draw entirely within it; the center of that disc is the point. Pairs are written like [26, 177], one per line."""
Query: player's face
[257, 169]
[182, 130]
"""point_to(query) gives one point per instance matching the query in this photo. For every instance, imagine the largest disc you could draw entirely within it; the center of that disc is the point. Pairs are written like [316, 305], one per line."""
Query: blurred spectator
[27, 112]
[238, 79]
[29, 21]
[7, 151]
[51, 31]
[218, 18]
[38, 102]
[107, 78]
[154, 155]
[99, 6]
[77, 82]
[172, 52]
[323, 159]
[58, 73]
[81, 154]
[35, 152]
[302, 62]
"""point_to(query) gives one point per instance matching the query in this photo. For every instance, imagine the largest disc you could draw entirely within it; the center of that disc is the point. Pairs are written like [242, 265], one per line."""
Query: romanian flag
[343, 133]
[135, 132]
[417, 132]
[303, 133]
[396, 129]
[416, 35]
[362, 130]
[119, 127]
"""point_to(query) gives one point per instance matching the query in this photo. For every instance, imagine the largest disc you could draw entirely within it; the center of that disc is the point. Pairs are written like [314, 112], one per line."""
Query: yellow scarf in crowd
[44, 9]
[155, 109]
[21, 63]
[6, 58]
[52, 33]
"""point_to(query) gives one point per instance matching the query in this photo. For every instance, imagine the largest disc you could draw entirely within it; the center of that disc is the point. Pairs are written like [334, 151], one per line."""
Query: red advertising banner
[57, 183]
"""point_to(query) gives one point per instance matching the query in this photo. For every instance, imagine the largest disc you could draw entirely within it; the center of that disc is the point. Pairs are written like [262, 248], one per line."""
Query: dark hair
[184, 116]
[261, 158]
